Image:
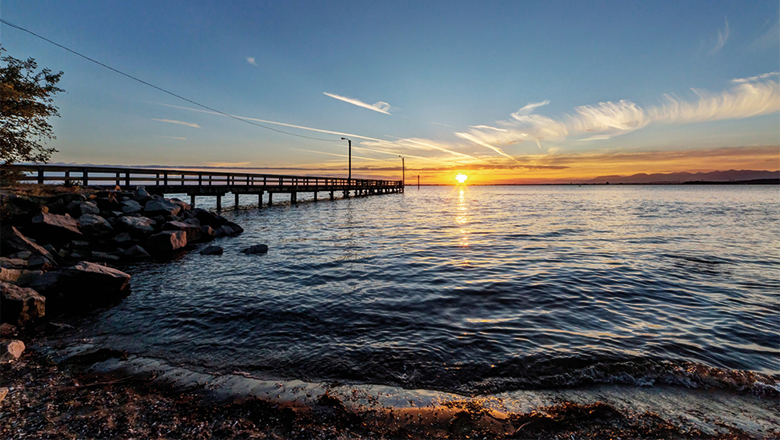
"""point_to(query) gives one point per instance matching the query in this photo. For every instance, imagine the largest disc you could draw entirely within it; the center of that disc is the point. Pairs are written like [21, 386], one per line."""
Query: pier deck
[204, 183]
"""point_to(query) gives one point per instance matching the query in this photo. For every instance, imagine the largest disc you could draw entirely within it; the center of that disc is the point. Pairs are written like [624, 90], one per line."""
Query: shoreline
[97, 392]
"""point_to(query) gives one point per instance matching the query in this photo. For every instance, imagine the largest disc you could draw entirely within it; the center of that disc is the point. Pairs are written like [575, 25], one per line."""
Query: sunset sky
[504, 92]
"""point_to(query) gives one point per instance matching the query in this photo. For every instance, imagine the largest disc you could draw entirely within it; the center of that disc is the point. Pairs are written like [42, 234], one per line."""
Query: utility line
[160, 88]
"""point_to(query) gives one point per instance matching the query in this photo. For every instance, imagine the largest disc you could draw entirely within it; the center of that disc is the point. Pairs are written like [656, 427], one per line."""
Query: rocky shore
[63, 252]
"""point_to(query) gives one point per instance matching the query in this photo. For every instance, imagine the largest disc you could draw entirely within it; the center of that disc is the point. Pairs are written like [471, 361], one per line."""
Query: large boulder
[136, 252]
[20, 277]
[20, 306]
[183, 205]
[13, 241]
[92, 284]
[136, 226]
[94, 225]
[166, 242]
[193, 232]
[161, 207]
[57, 228]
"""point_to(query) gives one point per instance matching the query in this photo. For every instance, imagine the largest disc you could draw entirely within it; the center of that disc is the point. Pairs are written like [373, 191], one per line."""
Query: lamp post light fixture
[350, 159]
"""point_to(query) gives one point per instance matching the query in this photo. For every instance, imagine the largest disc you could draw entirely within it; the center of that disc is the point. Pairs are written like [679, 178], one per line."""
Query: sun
[461, 178]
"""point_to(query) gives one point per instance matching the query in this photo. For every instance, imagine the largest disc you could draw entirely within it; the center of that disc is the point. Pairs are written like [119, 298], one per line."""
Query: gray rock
[183, 205]
[78, 208]
[13, 240]
[13, 263]
[131, 206]
[166, 242]
[11, 350]
[161, 206]
[19, 305]
[137, 226]
[136, 252]
[39, 262]
[58, 228]
[212, 250]
[229, 229]
[141, 191]
[94, 225]
[122, 239]
[208, 218]
[256, 249]
[92, 283]
[23, 255]
[105, 257]
[44, 282]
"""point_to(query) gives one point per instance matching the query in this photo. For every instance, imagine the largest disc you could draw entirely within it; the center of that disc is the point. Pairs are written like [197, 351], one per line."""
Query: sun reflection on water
[462, 218]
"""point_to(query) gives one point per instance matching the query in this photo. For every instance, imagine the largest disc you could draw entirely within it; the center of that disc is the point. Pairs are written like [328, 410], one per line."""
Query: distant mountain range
[714, 176]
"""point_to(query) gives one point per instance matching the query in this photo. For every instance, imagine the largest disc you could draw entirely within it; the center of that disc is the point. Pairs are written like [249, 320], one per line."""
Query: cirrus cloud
[379, 106]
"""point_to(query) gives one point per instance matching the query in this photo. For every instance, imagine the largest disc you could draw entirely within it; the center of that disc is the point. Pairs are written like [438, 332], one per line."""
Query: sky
[504, 92]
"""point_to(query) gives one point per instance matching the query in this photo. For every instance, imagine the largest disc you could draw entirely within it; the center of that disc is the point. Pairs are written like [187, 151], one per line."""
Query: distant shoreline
[692, 182]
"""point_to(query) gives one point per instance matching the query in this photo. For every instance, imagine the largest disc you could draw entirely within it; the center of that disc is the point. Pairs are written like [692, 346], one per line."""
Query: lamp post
[350, 159]
[403, 171]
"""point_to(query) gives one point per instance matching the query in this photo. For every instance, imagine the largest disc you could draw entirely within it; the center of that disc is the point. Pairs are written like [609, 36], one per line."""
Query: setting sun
[461, 178]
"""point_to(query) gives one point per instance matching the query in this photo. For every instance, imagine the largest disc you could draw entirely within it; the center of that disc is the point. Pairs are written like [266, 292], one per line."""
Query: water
[478, 290]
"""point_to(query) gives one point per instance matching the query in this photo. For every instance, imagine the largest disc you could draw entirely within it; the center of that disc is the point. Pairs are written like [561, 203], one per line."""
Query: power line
[160, 88]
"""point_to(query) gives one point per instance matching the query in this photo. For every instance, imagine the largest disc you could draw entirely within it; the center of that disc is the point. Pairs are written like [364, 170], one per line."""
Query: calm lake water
[477, 290]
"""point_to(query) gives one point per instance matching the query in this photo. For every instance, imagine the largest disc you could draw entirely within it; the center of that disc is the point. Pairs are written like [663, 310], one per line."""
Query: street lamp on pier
[350, 158]
[403, 171]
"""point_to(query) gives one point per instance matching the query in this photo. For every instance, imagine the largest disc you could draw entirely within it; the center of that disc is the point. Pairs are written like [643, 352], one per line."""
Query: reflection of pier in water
[205, 183]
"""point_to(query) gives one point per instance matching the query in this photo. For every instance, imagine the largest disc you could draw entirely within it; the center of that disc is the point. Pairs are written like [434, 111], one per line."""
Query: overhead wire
[160, 88]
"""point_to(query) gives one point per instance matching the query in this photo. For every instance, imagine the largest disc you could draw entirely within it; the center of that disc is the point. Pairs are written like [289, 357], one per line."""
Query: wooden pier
[205, 183]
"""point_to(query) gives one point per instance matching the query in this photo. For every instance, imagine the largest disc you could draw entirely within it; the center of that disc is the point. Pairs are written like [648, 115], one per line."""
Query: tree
[26, 98]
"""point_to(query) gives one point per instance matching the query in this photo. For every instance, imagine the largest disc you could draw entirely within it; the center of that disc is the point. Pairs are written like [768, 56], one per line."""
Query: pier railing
[218, 183]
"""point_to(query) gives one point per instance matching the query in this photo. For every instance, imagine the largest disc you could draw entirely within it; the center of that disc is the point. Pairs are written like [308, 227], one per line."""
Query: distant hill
[714, 176]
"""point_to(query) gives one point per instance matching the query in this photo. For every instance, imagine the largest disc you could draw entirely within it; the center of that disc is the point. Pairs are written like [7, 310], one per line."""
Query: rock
[39, 262]
[105, 257]
[78, 208]
[19, 277]
[57, 228]
[256, 249]
[10, 350]
[161, 206]
[109, 203]
[24, 255]
[7, 329]
[13, 263]
[229, 229]
[92, 284]
[59, 206]
[12, 240]
[183, 205]
[212, 250]
[136, 252]
[193, 232]
[131, 206]
[208, 218]
[206, 233]
[3, 393]
[192, 220]
[19, 305]
[94, 225]
[141, 192]
[166, 242]
[45, 282]
[123, 240]
[137, 226]
[19, 210]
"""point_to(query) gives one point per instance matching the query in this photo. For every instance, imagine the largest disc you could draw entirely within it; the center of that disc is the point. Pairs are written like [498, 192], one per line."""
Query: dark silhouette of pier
[205, 183]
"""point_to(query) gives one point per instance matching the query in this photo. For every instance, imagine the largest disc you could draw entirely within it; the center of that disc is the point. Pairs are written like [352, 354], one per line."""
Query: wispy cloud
[251, 61]
[723, 35]
[172, 137]
[529, 108]
[768, 39]
[379, 106]
[753, 96]
[171, 121]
